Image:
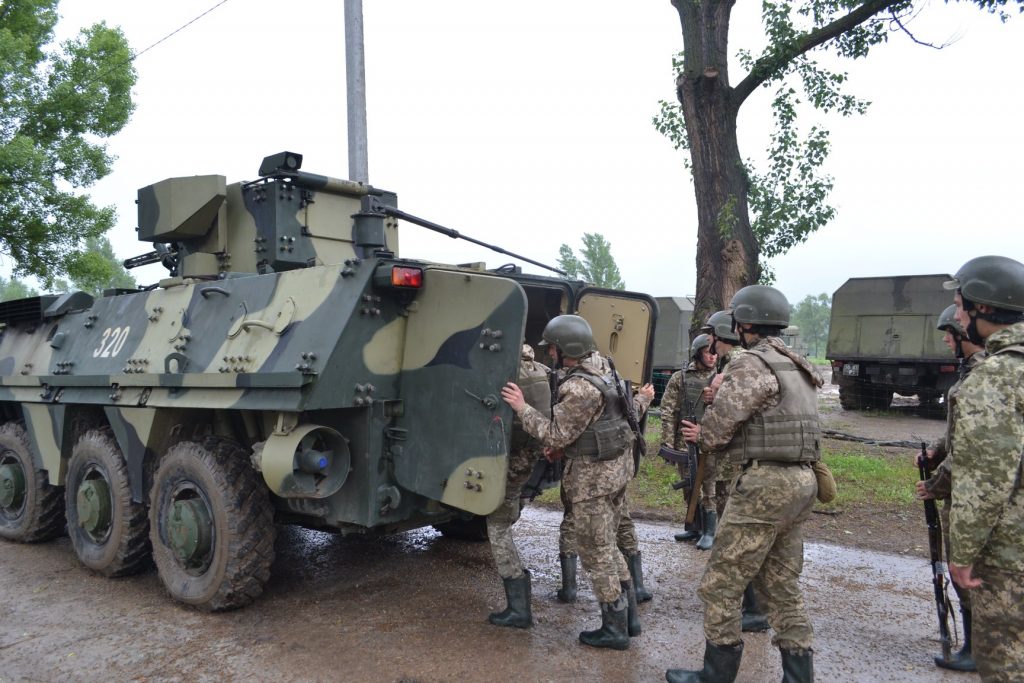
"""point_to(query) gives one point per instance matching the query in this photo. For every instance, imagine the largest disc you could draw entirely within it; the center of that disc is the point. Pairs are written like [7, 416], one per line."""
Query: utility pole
[355, 79]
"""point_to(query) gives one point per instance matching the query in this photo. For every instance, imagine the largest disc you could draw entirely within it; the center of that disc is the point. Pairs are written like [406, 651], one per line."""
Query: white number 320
[112, 342]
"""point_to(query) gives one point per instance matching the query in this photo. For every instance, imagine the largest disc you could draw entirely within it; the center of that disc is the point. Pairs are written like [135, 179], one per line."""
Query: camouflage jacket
[748, 387]
[987, 514]
[940, 483]
[521, 459]
[673, 401]
[579, 404]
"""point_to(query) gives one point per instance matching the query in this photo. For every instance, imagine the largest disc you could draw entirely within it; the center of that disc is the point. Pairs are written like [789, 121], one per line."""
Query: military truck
[291, 368]
[671, 340]
[882, 340]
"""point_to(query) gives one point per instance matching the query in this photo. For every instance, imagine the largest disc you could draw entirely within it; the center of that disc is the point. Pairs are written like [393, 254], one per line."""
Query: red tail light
[947, 368]
[404, 276]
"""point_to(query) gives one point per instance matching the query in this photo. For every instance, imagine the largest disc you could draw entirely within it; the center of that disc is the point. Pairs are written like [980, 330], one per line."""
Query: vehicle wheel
[110, 531]
[30, 509]
[881, 399]
[850, 397]
[211, 525]
[473, 529]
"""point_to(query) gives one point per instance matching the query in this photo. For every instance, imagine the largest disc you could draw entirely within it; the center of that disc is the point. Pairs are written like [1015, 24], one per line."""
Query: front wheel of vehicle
[31, 510]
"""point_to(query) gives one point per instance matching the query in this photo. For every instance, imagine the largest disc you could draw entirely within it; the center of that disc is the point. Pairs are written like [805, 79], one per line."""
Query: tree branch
[766, 66]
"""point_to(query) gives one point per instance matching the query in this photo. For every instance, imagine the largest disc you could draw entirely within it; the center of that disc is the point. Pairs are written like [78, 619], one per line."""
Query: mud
[413, 607]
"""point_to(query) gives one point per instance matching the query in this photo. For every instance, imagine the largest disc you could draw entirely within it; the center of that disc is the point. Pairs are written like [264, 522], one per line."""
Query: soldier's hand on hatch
[922, 492]
[689, 430]
[513, 395]
[647, 390]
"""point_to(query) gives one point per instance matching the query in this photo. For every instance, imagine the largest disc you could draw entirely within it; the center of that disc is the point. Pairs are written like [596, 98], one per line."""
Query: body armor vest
[609, 435]
[533, 380]
[693, 386]
[788, 432]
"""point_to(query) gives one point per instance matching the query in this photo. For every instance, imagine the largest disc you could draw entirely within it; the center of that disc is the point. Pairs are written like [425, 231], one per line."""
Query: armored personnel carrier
[292, 368]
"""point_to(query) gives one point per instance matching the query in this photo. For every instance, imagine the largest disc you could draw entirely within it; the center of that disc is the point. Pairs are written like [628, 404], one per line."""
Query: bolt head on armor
[996, 281]
[760, 305]
[571, 334]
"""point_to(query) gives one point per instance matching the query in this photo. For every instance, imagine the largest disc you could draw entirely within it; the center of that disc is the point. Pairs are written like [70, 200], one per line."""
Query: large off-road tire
[881, 399]
[473, 529]
[30, 509]
[109, 531]
[211, 525]
[851, 397]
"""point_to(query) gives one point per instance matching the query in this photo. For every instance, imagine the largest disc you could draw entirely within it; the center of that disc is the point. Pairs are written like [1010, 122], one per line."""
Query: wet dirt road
[413, 607]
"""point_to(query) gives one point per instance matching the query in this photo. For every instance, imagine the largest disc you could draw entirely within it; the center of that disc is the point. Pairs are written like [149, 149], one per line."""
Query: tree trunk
[727, 251]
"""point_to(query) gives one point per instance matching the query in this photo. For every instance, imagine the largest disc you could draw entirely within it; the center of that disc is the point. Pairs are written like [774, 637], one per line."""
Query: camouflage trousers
[596, 522]
[963, 594]
[725, 473]
[760, 540]
[625, 532]
[499, 527]
[999, 624]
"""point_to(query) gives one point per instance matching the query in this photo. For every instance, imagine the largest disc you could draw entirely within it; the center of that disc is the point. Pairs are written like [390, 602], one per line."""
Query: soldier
[987, 516]
[683, 398]
[939, 484]
[588, 423]
[524, 451]
[726, 346]
[765, 418]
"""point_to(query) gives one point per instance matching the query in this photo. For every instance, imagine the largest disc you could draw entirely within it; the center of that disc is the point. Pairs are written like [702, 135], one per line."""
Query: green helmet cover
[996, 281]
[571, 334]
[948, 321]
[720, 324]
[701, 341]
[760, 305]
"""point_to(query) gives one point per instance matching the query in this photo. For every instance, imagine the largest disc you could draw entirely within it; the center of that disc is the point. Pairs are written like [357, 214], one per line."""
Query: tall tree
[596, 264]
[58, 103]
[812, 316]
[15, 289]
[789, 199]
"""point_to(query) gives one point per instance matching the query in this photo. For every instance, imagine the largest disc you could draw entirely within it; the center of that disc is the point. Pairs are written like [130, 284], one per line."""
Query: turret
[288, 219]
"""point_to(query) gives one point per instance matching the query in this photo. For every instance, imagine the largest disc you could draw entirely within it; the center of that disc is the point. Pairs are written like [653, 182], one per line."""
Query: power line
[177, 30]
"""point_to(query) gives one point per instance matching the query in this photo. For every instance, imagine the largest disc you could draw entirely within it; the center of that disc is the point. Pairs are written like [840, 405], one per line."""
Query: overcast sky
[527, 124]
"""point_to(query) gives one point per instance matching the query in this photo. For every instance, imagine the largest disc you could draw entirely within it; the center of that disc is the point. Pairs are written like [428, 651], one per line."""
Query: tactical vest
[609, 435]
[788, 432]
[693, 388]
[533, 380]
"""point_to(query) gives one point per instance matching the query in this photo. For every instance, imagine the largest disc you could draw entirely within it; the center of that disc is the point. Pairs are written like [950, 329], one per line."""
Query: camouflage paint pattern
[998, 629]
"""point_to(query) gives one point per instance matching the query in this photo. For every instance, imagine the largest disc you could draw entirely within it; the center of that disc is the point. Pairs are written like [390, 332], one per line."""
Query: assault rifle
[931, 516]
[639, 448]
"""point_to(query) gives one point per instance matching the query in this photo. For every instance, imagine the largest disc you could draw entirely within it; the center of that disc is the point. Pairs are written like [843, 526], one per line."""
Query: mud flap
[462, 344]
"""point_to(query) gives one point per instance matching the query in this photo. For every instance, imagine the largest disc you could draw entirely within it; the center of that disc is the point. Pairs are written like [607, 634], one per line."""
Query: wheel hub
[94, 507]
[12, 486]
[188, 531]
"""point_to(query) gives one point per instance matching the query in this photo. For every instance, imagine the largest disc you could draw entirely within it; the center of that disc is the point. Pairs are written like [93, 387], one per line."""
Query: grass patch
[865, 476]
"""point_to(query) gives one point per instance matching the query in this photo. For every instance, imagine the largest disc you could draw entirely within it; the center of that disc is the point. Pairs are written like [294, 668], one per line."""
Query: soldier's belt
[775, 463]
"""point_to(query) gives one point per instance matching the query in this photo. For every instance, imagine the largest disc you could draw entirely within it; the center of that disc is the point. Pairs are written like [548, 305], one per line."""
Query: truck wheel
[881, 399]
[850, 397]
[211, 525]
[109, 531]
[30, 509]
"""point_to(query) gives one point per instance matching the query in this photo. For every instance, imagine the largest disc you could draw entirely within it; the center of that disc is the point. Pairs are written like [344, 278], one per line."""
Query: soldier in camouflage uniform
[987, 517]
[939, 485]
[524, 452]
[683, 397]
[764, 417]
[588, 425]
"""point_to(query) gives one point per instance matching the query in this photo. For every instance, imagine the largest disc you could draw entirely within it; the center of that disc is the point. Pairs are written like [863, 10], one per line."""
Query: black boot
[797, 666]
[614, 631]
[962, 660]
[632, 614]
[517, 594]
[721, 664]
[753, 619]
[567, 593]
[710, 525]
[636, 570]
[690, 533]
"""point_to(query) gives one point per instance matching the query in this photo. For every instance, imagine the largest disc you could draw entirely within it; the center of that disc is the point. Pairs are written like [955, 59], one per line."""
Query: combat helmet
[720, 324]
[571, 334]
[760, 305]
[949, 323]
[701, 341]
[997, 281]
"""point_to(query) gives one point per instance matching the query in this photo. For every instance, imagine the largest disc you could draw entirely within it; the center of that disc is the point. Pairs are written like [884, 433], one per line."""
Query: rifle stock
[698, 479]
[931, 516]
